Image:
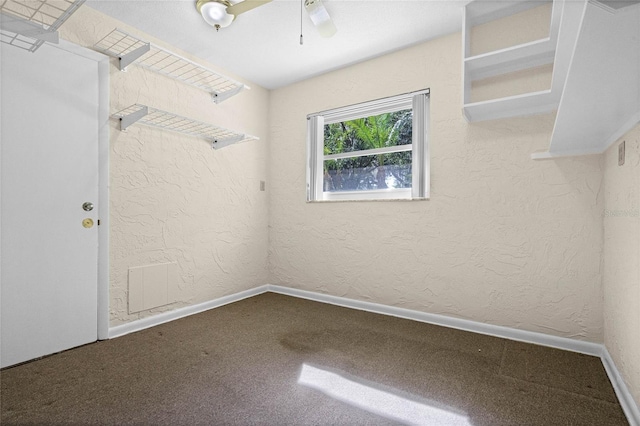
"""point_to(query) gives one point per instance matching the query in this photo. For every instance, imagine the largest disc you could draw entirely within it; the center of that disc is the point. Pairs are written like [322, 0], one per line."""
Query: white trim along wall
[625, 398]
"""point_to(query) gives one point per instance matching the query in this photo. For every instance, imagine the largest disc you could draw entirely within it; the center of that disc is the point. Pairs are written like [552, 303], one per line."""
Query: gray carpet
[278, 360]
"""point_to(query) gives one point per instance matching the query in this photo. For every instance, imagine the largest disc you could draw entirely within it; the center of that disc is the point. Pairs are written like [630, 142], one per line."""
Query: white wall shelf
[601, 96]
[481, 12]
[523, 56]
[595, 51]
[142, 114]
[28, 24]
[504, 61]
[132, 50]
[512, 106]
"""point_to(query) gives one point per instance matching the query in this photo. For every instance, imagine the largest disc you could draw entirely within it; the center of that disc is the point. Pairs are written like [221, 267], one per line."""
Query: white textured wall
[621, 278]
[523, 27]
[504, 240]
[174, 199]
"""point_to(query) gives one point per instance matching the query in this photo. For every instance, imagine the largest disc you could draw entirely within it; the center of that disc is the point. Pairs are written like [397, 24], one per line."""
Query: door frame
[103, 179]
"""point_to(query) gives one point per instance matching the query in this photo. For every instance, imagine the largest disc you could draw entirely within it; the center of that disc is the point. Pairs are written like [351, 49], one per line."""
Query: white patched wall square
[151, 286]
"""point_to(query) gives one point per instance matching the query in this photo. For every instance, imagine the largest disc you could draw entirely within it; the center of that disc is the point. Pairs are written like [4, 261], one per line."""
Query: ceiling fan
[221, 13]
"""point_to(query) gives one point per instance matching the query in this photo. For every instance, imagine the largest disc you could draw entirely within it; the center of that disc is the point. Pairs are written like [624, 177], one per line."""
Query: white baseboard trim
[564, 343]
[625, 398]
[148, 322]
[627, 401]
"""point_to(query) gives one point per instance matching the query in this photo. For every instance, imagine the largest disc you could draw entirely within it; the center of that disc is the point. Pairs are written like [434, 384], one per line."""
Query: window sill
[397, 194]
[367, 200]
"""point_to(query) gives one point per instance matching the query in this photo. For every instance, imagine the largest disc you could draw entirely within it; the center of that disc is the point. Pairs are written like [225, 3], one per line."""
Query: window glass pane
[378, 131]
[384, 171]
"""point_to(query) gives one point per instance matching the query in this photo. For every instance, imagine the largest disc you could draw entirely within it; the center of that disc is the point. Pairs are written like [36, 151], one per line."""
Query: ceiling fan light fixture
[320, 17]
[214, 12]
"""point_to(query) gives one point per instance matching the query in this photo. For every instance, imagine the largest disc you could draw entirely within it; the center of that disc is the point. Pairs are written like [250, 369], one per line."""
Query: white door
[49, 169]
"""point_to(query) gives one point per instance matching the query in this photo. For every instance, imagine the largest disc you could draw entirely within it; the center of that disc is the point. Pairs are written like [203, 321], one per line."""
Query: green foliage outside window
[380, 171]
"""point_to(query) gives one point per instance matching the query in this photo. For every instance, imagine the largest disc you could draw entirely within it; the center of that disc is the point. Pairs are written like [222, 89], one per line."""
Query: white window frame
[418, 102]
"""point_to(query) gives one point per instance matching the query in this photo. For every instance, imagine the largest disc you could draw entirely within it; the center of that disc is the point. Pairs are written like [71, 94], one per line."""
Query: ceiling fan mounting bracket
[200, 3]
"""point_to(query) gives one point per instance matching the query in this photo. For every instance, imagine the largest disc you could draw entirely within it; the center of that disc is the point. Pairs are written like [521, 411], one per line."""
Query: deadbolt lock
[87, 223]
[87, 207]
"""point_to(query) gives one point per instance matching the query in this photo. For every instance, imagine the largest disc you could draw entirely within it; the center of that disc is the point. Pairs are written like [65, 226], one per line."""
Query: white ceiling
[263, 46]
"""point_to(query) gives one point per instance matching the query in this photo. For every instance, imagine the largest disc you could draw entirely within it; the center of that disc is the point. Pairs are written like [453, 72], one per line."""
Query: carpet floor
[278, 360]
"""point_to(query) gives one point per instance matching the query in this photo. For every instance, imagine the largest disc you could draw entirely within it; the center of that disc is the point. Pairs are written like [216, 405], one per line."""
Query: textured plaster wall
[524, 27]
[530, 25]
[621, 277]
[173, 198]
[503, 240]
[520, 82]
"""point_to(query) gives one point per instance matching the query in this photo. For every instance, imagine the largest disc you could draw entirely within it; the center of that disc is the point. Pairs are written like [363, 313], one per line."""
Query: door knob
[87, 207]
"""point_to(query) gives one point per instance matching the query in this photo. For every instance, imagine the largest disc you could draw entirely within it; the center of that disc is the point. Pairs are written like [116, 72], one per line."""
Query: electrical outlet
[263, 185]
[621, 154]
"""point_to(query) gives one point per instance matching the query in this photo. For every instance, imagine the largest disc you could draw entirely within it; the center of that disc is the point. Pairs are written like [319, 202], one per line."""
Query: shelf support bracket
[220, 97]
[131, 57]
[130, 119]
[26, 28]
[221, 143]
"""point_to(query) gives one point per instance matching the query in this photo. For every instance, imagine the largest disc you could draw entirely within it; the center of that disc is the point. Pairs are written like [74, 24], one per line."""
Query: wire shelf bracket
[129, 49]
[219, 137]
[223, 96]
[221, 143]
[29, 24]
[129, 58]
[132, 117]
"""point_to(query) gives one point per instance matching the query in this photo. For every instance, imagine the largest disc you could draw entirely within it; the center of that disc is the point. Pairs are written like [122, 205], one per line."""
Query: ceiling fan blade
[320, 17]
[245, 6]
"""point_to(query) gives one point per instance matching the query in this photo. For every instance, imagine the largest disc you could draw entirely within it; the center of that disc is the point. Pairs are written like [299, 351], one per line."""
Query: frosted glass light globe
[215, 13]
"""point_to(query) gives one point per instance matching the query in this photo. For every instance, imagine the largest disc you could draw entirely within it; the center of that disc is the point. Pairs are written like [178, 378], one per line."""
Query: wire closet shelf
[27, 24]
[142, 114]
[132, 50]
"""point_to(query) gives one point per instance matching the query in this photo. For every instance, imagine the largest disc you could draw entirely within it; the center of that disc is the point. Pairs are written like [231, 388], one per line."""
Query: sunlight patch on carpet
[377, 401]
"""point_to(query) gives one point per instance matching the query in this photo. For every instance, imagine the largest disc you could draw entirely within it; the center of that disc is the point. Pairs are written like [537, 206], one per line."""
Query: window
[371, 151]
